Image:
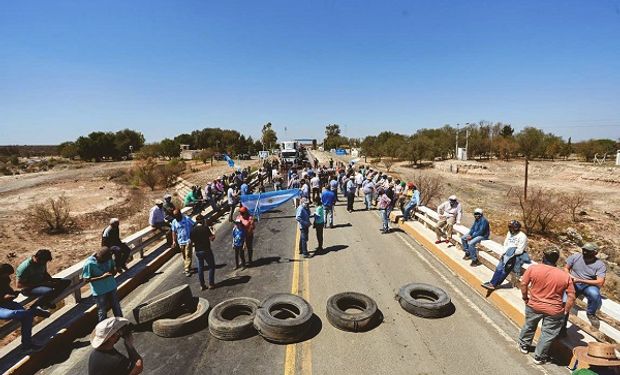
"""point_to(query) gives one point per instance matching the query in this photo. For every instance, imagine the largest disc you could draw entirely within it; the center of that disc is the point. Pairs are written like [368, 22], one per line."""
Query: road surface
[475, 339]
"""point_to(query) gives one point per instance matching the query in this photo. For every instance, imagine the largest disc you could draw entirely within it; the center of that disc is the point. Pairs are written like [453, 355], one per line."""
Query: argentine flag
[263, 202]
[231, 163]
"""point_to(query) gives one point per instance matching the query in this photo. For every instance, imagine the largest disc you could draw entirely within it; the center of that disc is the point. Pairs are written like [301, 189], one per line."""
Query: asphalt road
[475, 339]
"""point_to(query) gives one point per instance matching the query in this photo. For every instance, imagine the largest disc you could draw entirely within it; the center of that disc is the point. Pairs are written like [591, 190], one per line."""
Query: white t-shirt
[315, 182]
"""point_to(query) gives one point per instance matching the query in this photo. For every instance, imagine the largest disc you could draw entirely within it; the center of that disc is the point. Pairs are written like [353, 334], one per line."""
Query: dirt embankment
[95, 193]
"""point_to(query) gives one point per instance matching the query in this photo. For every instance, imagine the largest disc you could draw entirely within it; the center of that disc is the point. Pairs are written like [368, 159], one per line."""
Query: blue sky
[166, 67]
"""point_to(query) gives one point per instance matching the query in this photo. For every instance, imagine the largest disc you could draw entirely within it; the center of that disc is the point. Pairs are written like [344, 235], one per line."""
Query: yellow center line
[306, 346]
[291, 350]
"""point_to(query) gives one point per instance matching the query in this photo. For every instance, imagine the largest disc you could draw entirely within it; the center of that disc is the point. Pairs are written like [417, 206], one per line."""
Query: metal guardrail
[137, 242]
[610, 321]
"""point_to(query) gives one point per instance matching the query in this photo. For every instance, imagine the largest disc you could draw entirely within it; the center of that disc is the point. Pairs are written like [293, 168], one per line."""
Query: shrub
[573, 203]
[53, 216]
[169, 172]
[542, 209]
[430, 187]
[146, 172]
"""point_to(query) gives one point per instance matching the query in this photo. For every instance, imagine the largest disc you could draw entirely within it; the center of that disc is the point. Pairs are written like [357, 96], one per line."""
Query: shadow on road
[265, 261]
[277, 217]
[329, 249]
[63, 355]
[235, 280]
[342, 225]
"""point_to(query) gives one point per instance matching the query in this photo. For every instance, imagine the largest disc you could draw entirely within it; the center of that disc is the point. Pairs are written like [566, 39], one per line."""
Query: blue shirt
[244, 189]
[92, 268]
[415, 198]
[328, 198]
[183, 229]
[238, 236]
[303, 217]
[480, 228]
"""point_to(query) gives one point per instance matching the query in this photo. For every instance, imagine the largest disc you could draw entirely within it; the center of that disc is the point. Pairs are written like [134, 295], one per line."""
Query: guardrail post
[76, 296]
[141, 247]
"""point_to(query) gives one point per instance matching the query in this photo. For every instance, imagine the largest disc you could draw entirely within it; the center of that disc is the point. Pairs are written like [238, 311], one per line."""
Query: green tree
[531, 142]
[269, 137]
[332, 137]
[68, 150]
[126, 141]
[169, 148]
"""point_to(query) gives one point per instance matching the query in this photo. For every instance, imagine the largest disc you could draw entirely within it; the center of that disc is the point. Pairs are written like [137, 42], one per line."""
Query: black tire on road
[185, 323]
[363, 319]
[425, 300]
[162, 305]
[233, 319]
[283, 318]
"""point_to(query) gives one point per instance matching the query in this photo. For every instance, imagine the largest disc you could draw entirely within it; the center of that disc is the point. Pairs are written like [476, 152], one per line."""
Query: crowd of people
[549, 292]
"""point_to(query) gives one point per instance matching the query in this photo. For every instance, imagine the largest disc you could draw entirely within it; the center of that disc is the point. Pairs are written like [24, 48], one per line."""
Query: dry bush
[541, 211]
[146, 173]
[169, 172]
[430, 187]
[388, 163]
[574, 203]
[52, 216]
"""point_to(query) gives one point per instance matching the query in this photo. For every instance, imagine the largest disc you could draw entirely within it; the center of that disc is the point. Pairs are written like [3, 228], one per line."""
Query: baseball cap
[478, 211]
[105, 329]
[589, 246]
[114, 220]
[159, 201]
[452, 197]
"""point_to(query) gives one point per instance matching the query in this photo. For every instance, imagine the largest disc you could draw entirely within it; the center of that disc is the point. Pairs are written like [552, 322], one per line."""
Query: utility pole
[525, 184]
[456, 149]
[467, 143]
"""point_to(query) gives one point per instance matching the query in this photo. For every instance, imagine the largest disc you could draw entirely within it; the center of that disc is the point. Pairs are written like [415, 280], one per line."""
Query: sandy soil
[95, 193]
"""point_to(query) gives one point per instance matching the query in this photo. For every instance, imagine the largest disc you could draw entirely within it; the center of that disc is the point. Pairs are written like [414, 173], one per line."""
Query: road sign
[263, 154]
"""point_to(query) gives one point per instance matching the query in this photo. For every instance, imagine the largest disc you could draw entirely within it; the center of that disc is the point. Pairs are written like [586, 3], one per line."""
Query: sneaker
[438, 242]
[524, 348]
[188, 274]
[475, 263]
[306, 255]
[466, 256]
[596, 323]
[39, 311]
[488, 286]
[203, 287]
[32, 347]
[540, 360]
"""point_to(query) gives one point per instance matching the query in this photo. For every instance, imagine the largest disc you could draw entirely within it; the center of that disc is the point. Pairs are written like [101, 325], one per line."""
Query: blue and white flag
[231, 163]
[263, 202]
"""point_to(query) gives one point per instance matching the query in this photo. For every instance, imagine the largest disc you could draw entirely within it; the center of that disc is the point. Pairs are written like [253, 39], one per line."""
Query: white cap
[114, 220]
[452, 197]
[167, 195]
[478, 211]
[105, 329]
[159, 201]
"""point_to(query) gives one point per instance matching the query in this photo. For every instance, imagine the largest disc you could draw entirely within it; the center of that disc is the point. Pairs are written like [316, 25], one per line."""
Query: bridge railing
[609, 329]
[138, 242]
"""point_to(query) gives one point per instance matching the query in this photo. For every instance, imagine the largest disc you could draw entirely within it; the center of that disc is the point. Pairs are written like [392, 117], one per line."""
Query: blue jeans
[329, 216]
[593, 295]
[48, 291]
[409, 208]
[303, 241]
[368, 200]
[502, 271]
[470, 246]
[11, 310]
[385, 215]
[208, 257]
[106, 301]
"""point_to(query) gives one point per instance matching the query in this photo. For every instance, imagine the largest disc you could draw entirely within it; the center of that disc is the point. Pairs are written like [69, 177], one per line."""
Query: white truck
[289, 152]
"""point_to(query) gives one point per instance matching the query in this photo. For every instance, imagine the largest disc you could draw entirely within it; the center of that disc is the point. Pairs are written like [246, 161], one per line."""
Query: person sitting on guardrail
[111, 237]
[168, 208]
[157, 216]
[478, 232]
[99, 271]
[34, 281]
[515, 246]
[238, 239]
[181, 228]
[11, 310]
[450, 213]
[302, 216]
[194, 199]
[588, 272]
[105, 359]
[542, 288]
[414, 201]
[201, 236]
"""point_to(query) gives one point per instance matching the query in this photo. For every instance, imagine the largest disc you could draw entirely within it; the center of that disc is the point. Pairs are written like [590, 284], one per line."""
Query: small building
[187, 154]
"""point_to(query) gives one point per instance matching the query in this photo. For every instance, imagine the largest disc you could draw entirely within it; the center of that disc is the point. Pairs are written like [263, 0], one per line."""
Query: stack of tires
[173, 313]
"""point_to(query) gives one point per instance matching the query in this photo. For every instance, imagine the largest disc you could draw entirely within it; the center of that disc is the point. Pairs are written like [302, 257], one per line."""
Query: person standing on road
[478, 232]
[11, 310]
[383, 201]
[105, 359]
[232, 198]
[588, 273]
[369, 188]
[315, 184]
[99, 271]
[359, 179]
[111, 237]
[181, 229]
[350, 192]
[238, 239]
[248, 225]
[319, 223]
[302, 216]
[542, 288]
[328, 199]
[450, 213]
[34, 280]
[201, 236]
[515, 245]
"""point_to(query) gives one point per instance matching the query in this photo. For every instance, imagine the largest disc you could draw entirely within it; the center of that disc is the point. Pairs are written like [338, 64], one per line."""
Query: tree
[97, 146]
[206, 155]
[68, 150]
[127, 141]
[268, 137]
[531, 142]
[169, 148]
[507, 131]
[333, 139]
